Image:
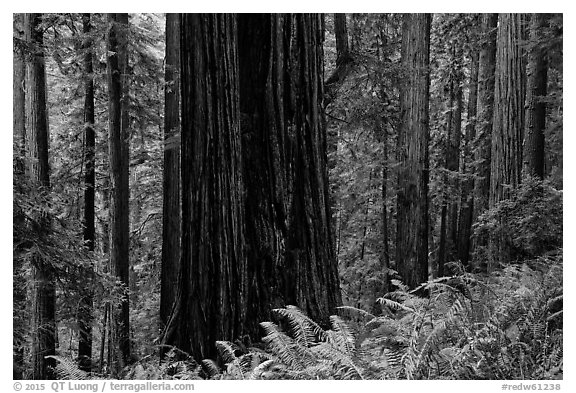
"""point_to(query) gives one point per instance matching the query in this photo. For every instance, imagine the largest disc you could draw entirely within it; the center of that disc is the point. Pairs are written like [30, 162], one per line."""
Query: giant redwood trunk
[171, 221]
[211, 300]
[290, 251]
[43, 292]
[484, 113]
[537, 70]
[119, 192]
[413, 157]
[508, 123]
[85, 306]
[508, 119]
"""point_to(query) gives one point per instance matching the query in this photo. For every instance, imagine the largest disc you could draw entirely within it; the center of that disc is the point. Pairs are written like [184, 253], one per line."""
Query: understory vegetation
[507, 325]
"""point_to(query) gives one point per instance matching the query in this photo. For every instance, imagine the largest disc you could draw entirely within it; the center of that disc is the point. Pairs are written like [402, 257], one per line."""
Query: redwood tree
[508, 119]
[85, 307]
[484, 112]
[291, 257]
[211, 298]
[118, 143]
[43, 290]
[171, 221]
[413, 156]
[537, 69]
[508, 123]
[467, 197]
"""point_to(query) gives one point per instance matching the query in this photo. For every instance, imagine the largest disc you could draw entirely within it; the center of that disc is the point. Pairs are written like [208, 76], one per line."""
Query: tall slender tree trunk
[171, 224]
[484, 124]
[341, 33]
[18, 102]
[449, 211]
[467, 198]
[413, 156]
[537, 71]
[43, 287]
[85, 307]
[211, 302]
[344, 60]
[507, 135]
[290, 248]
[484, 114]
[19, 138]
[119, 194]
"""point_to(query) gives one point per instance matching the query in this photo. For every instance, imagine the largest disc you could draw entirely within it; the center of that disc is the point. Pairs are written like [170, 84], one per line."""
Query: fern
[66, 368]
[304, 330]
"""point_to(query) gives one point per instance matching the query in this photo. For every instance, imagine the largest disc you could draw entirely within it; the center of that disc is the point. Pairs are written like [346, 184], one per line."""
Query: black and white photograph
[295, 196]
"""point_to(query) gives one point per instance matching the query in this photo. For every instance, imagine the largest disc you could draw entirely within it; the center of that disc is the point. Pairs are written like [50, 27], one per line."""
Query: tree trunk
[85, 307]
[341, 33]
[18, 102]
[43, 288]
[171, 224]
[413, 139]
[484, 114]
[211, 303]
[506, 164]
[119, 194]
[344, 60]
[449, 211]
[506, 156]
[467, 198]
[288, 235]
[19, 137]
[537, 70]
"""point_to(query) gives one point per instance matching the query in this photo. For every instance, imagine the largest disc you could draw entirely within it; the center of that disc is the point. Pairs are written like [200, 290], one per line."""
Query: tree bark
[288, 234]
[507, 135]
[171, 222]
[413, 156]
[506, 163]
[119, 191]
[537, 70]
[484, 114]
[211, 303]
[43, 287]
[85, 307]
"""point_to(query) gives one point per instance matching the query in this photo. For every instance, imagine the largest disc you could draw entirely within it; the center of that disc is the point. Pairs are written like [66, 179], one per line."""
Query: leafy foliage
[530, 220]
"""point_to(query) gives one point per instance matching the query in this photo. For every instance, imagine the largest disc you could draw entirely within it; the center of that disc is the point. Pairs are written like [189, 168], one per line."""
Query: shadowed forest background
[287, 196]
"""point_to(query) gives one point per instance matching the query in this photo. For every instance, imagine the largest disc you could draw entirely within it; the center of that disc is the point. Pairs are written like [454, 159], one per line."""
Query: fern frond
[304, 330]
[394, 305]
[227, 350]
[285, 348]
[357, 311]
[343, 337]
[331, 354]
[66, 368]
[211, 368]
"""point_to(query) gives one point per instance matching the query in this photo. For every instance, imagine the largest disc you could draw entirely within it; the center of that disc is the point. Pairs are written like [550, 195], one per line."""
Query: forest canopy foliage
[288, 196]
